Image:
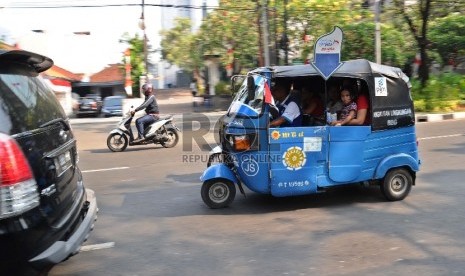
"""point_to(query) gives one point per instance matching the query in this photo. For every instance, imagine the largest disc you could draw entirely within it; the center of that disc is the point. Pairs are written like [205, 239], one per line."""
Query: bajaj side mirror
[250, 88]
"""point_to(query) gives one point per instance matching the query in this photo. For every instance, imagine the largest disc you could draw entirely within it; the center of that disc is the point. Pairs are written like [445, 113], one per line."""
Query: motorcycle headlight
[243, 142]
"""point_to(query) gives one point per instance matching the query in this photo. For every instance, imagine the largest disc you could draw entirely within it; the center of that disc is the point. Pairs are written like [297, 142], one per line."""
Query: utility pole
[276, 44]
[284, 37]
[377, 32]
[260, 41]
[142, 26]
[266, 44]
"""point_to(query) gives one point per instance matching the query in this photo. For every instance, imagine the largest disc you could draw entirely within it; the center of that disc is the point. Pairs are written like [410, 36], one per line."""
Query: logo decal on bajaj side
[275, 135]
[294, 158]
[250, 166]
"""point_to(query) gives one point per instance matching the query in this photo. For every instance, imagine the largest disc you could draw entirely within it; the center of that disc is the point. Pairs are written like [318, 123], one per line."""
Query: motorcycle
[163, 132]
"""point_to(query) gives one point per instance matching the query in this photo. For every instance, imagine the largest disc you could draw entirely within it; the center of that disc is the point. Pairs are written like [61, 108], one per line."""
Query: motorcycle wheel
[117, 142]
[173, 138]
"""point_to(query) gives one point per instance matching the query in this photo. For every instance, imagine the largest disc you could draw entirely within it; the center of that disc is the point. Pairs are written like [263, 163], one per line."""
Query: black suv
[45, 211]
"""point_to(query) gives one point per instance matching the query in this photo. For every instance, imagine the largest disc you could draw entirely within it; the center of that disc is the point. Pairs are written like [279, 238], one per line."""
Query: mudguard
[217, 149]
[117, 130]
[393, 161]
[219, 171]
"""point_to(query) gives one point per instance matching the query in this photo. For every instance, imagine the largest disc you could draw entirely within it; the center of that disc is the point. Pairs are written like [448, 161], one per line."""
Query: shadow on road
[190, 203]
[128, 149]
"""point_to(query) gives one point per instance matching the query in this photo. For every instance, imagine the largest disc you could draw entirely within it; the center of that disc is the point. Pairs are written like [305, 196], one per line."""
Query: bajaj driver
[151, 109]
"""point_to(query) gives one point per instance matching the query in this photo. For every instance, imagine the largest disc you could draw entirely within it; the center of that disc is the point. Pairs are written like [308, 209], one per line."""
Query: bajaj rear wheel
[397, 184]
[117, 142]
[218, 193]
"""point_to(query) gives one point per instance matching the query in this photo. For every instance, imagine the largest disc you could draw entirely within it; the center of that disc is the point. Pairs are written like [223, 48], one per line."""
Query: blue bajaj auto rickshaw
[316, 155]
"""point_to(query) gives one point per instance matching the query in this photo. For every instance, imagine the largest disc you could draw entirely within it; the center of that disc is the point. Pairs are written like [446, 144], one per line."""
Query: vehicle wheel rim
[398, 184]
[117, 141]
[171, 138]
[218, 192]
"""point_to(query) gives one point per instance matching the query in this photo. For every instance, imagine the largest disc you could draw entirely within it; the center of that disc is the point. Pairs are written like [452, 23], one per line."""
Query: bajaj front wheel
[218, 193]
[117, 142]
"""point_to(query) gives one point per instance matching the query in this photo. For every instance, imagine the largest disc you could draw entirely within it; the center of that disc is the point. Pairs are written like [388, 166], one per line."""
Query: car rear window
[113, 101]
[26, 103]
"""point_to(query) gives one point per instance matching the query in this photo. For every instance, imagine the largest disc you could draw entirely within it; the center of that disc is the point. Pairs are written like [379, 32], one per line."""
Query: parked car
[46, 213]
[113, 106]
[75, 101]
[91, 105]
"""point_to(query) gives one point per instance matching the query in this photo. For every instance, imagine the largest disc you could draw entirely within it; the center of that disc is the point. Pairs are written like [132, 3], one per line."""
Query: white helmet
[146, 88]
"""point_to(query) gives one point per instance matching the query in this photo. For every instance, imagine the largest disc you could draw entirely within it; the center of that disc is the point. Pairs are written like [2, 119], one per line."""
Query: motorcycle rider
[151, 109]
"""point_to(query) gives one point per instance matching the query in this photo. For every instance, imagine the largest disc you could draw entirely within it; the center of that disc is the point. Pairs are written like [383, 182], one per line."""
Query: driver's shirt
[290, 111]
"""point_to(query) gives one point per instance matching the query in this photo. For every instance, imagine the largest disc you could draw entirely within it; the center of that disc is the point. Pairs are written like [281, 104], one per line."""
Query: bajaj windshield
[253, 100]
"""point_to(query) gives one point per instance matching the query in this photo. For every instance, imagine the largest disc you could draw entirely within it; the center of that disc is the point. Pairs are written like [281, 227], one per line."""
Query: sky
[76, 53]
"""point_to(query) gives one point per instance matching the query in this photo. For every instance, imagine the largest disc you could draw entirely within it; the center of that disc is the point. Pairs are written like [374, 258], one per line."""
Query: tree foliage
[417, 17]
[233, 27]
[227, 33]
[136, 46]
[448, 37]
[311, 17]
[232, 31]
[180, 46]
[360, 43]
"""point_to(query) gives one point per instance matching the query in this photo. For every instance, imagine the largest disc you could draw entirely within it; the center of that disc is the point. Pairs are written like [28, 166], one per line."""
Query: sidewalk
[435, 117]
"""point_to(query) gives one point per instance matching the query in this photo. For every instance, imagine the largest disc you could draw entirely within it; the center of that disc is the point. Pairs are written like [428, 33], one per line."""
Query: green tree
[180, 47]
[317, 17]
[444, 8]
[227, 32]
[448, 37]
[231, 33]
[359, 39]
[136, 46]
[417, 17]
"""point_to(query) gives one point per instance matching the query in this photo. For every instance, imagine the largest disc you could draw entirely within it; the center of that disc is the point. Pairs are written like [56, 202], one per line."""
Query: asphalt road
[152, 220]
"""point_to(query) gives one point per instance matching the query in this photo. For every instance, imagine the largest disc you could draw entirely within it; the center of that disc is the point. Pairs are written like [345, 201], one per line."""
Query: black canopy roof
[359, 68]
[392, 109]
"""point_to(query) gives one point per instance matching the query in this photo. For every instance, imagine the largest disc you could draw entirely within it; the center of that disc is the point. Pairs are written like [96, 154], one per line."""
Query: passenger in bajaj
[349, 109]
[151, 109]
[312, 107]
[363, 106]
[290, 114]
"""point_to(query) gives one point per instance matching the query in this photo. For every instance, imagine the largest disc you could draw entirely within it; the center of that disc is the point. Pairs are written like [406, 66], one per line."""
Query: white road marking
[109, 169]
[442, 136]
[97, 246]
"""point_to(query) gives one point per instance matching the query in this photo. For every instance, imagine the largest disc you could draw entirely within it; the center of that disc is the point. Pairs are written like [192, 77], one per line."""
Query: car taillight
[18, 188]
[94, 105]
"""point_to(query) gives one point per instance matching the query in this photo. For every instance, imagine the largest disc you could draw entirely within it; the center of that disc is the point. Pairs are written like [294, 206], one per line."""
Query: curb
[420, 118]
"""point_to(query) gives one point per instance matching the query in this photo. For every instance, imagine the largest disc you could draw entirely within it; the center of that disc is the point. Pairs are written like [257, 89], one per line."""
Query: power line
[16, 6]
[57, 5]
